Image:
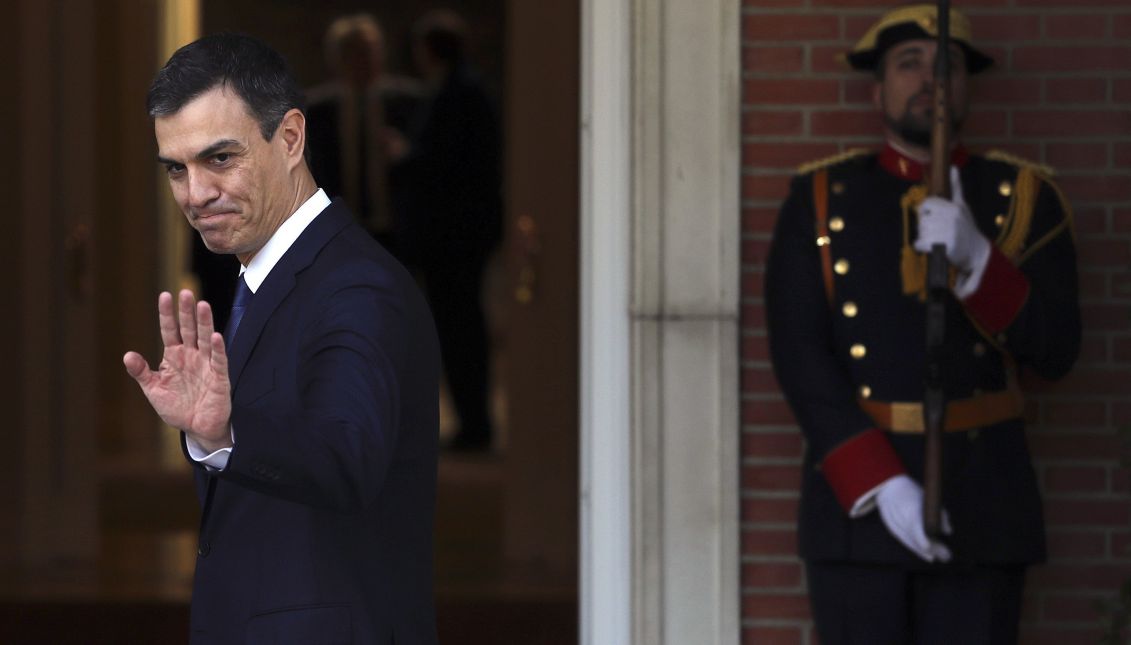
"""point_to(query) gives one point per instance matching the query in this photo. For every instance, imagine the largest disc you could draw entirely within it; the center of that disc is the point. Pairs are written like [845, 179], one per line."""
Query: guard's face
[905, 93]
[231, 184]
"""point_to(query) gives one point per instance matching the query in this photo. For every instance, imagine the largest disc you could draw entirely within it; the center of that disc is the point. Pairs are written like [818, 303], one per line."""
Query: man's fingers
[136, 367]
[167, 318]
[956, 186]
[187, 314]
[921, 541]
[204, 328]
[918, 544]
[219, 359]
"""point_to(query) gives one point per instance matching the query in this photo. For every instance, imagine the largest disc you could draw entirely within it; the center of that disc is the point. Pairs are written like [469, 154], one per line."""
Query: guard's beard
[916, 129]
[911, 130]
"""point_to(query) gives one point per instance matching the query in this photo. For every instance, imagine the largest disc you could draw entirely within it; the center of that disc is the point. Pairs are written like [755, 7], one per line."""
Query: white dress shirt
[254, 274]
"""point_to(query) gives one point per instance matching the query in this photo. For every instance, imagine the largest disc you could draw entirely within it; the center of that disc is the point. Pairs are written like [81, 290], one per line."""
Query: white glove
[900, 501]
[949, 222]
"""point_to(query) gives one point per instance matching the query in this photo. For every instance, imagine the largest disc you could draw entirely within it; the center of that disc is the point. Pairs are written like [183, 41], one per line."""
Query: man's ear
[292, 134]
[878, 94]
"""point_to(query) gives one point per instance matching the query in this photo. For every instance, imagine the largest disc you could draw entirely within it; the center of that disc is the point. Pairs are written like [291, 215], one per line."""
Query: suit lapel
[280, 281]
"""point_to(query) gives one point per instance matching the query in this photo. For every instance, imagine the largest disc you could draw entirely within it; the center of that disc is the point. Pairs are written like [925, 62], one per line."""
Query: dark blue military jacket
[868, 344]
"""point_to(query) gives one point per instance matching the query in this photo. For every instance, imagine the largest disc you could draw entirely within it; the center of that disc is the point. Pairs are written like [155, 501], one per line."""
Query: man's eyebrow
[911, 49]
[205, 153]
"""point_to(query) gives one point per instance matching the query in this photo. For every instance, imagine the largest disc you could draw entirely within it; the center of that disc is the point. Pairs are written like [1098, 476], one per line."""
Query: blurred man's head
[355, 49]
[439, 42]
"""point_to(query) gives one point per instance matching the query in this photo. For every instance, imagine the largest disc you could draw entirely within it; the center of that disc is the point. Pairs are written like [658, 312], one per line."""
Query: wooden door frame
[659, 322]
[53, 517]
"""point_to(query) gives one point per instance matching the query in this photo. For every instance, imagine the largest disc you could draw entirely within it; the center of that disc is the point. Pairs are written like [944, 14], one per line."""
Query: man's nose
[202, 190]
[928, 72]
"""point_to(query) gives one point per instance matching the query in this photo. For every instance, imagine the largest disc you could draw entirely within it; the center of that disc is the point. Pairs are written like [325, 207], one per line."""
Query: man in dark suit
[452, 173]
[356, 124]
[312, 422]
[846, 319]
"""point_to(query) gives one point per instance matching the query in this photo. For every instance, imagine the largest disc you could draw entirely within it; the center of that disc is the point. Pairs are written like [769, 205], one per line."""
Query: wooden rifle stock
[934, 398]
[938, 270]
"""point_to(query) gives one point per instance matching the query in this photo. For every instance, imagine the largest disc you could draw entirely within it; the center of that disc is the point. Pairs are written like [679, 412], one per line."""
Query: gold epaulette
[1013, 240]
[831, 160]
[1014, 160]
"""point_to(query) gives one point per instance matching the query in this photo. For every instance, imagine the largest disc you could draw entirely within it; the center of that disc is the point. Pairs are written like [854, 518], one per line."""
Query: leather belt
[962, 414]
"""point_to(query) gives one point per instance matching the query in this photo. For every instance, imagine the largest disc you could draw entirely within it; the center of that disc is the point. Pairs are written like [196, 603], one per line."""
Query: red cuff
[860, 464]
[1000, 295]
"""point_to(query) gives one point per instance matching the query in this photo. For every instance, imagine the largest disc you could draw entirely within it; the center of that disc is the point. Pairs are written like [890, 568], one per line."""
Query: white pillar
[660, 268]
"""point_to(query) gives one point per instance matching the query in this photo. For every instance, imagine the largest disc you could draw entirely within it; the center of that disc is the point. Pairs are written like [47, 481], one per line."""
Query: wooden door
[540, 376]
[49, 435]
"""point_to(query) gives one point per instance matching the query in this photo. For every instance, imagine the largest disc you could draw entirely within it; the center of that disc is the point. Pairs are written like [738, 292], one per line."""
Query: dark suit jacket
[319, 531]
[452, 176]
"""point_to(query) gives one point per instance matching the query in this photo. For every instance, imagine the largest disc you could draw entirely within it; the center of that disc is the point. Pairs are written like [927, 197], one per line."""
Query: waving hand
[190, 388]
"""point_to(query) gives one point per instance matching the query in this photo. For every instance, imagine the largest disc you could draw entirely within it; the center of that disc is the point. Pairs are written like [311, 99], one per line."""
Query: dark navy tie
[239, 304]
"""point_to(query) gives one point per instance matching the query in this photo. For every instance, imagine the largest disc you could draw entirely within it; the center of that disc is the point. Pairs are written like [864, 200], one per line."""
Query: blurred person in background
[356, 125]
[452, 170]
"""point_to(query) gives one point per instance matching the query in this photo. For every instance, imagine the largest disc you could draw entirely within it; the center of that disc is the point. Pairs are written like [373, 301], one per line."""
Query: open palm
[190, 388]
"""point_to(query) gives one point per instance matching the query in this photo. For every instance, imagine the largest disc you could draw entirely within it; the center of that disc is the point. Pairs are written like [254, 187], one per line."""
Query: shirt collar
[904, 166]
[256, 271]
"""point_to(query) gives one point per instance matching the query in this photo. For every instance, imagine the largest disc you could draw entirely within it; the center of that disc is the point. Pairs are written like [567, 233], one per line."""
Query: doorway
[507, 521]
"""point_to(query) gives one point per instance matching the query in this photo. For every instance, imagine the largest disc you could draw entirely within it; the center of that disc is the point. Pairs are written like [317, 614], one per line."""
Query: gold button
[1005, 188]
[838, 187]
[836, 224]
[865, 392]
[841, 266]
[979, 349]
[858, 351]
[849, 309]
[824, 240]
[999, 220]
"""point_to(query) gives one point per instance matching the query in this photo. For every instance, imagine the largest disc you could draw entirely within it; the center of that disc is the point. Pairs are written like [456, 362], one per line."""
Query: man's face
[232, 185]
[905, 92]
[362, 60]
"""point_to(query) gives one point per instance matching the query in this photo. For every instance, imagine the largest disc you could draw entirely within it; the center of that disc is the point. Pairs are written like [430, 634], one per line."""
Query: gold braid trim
[1068, 222]
[825, 162]
[912, 264]
[1020, 162]
[1013, 234]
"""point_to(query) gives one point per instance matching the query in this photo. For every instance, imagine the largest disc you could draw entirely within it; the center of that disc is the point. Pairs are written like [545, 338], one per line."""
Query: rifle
[938, 269]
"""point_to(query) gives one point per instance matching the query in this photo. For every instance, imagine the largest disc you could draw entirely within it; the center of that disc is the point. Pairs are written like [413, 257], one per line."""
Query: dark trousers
[453, 280]
[856, 604]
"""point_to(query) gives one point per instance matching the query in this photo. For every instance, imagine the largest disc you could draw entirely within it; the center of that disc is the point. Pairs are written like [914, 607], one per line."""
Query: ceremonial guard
[845, 294]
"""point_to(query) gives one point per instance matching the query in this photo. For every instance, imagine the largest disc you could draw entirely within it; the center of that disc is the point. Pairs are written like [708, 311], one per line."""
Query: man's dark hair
[442, 33]
[256, 73]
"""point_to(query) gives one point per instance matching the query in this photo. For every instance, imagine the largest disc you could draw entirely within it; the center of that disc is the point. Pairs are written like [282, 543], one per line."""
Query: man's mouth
[921, 101]
[209, 215]
[211, 220]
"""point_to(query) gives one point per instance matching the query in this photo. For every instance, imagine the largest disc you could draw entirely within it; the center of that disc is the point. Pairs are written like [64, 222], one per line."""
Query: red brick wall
[1061, 94]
